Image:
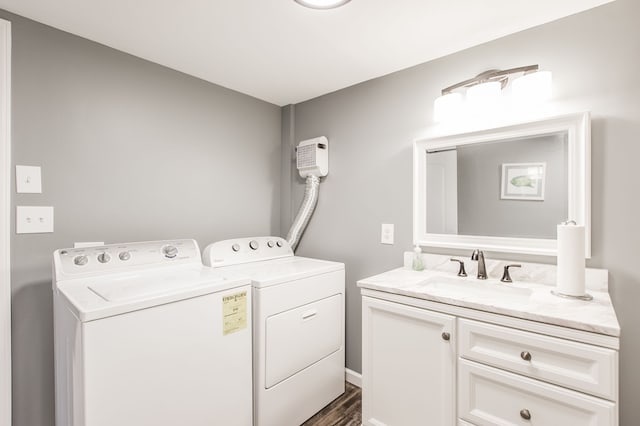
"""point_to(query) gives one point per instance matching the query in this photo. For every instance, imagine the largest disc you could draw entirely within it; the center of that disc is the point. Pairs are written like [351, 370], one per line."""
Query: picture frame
[523, 181]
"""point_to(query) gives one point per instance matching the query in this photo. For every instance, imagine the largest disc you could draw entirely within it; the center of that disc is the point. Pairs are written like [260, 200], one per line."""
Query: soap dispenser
[418, 264]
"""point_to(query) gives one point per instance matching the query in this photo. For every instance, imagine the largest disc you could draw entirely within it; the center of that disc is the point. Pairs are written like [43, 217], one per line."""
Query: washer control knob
[104, 257]
[279, 243]
[124, 256]
[270, 244]
[80, 260]
[253, 245]
[169, 252]
[235, 247]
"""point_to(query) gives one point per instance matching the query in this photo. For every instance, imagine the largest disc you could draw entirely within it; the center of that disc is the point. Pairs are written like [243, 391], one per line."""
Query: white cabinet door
[408, 365]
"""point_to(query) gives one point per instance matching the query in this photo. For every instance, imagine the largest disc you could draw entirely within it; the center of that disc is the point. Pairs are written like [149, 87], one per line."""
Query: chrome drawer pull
[525, 356]
[525, 414]
[446, 336]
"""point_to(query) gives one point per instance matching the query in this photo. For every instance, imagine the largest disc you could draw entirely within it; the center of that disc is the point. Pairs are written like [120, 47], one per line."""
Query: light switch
[387, 233]
[28, 180]
[34, 219]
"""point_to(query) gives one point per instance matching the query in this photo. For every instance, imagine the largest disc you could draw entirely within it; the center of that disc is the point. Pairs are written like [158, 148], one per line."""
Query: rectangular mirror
[503, 189]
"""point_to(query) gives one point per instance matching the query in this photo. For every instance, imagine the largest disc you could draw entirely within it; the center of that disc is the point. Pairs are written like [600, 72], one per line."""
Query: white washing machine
[145, 335]
[298, 326]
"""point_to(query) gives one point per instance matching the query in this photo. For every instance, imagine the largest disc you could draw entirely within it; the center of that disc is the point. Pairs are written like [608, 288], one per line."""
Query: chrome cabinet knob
[525, 414]
[446, 336]
[525, 355]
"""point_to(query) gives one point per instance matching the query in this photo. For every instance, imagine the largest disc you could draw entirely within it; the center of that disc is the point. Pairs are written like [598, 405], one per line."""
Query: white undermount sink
[470, 286]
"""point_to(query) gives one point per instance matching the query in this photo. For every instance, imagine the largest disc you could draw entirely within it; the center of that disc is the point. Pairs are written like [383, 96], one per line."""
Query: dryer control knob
[279, 243]
[235, 247]
[104, 257]
[124, 256]
[253, 245]
[169, 252]
[270, 244]
[80, 260]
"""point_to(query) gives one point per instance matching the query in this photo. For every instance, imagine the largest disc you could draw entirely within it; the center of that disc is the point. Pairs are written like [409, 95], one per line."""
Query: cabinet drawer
[578, 366]
[488, 396]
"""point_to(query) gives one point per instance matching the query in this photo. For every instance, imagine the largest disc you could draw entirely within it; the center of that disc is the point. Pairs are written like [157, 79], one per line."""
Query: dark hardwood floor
[346, 410]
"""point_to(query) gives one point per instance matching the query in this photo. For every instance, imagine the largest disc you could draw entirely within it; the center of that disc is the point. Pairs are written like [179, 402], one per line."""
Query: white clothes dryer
[298, 326]
[146, 335]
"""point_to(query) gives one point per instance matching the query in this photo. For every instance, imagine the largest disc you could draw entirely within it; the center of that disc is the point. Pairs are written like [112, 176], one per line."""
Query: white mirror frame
[578, 127]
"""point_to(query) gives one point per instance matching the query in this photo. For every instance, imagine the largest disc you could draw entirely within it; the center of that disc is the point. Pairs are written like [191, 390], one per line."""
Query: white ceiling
[283, 53]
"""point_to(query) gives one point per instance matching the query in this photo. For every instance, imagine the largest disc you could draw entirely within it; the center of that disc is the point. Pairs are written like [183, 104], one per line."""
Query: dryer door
[300, 337]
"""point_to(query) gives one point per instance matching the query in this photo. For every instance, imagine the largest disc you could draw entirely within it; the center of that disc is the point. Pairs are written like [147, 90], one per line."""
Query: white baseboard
[353, 377]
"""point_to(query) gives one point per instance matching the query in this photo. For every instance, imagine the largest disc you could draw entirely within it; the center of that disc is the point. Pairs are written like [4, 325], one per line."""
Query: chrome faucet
[482, 269]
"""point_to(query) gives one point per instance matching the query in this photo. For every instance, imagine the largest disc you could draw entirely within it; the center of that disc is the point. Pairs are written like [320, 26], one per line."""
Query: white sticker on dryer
[234, 312]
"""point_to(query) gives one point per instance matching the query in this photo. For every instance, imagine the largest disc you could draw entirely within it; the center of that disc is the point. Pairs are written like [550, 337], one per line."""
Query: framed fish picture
[523, 181]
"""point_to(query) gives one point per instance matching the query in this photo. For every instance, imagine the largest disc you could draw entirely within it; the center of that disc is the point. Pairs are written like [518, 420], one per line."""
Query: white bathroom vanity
[465, 351]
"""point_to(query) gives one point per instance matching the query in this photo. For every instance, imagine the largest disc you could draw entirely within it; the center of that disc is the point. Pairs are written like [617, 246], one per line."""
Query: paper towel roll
[570, 279]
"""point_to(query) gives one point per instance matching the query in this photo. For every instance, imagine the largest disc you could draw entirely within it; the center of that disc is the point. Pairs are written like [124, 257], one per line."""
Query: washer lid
[139, 286]
[278, 271]
[94, 298]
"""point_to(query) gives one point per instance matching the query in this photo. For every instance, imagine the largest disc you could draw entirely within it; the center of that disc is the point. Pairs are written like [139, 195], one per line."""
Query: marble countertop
[526, 300]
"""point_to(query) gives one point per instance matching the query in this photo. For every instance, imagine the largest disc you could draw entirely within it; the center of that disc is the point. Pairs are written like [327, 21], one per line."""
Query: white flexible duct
[306, 210]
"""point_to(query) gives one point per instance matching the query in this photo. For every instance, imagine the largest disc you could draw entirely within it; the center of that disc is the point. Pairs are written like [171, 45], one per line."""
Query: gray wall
[481, 211]
[129, 151]
[595, 60]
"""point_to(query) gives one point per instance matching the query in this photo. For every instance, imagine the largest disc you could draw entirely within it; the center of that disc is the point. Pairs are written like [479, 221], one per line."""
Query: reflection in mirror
[507, 188]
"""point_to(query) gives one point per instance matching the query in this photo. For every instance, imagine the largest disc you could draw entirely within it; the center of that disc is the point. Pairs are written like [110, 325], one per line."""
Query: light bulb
[484, 96]
[533, 87]
[447, 107]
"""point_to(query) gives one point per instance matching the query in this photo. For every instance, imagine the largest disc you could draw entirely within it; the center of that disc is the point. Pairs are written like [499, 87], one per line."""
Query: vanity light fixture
[485, 91]
[322, 4]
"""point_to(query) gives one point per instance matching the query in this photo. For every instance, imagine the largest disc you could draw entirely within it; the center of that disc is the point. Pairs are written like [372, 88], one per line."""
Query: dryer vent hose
[306, 210]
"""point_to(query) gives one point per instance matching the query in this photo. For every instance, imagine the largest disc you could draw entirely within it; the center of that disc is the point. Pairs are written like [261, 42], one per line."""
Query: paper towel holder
[585, 296]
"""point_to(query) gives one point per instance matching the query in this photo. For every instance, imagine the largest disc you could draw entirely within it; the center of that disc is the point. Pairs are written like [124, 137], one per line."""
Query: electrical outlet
[28, 180]
[34, 219]
[387, 233]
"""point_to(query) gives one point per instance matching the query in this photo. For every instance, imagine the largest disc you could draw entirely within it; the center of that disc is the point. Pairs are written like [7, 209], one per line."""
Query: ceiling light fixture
[322, 4]
[484, 91]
